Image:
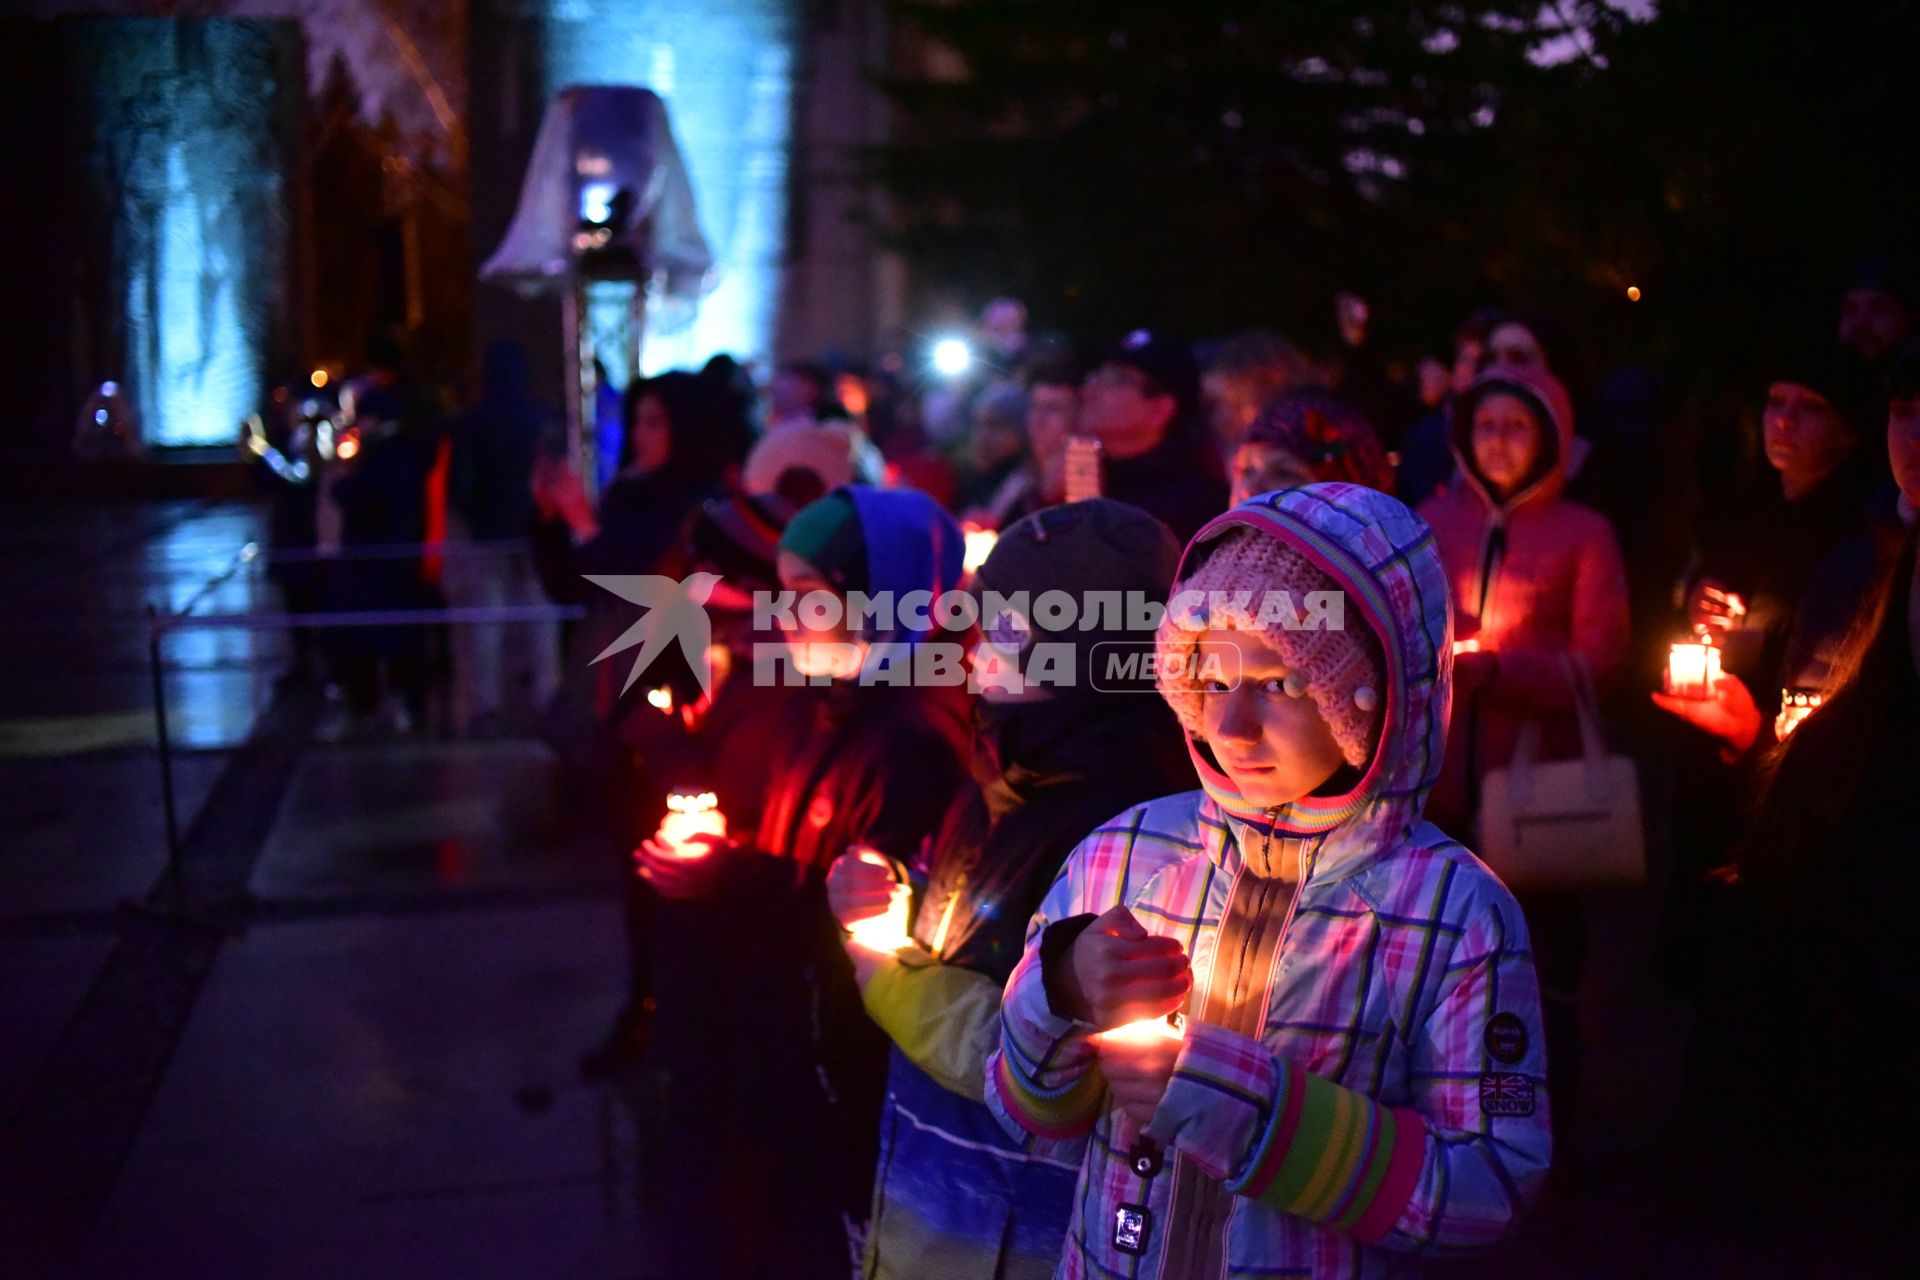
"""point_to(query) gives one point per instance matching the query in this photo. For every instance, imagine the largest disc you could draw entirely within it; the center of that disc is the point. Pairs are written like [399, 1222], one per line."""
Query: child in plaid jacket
[1361, 1075]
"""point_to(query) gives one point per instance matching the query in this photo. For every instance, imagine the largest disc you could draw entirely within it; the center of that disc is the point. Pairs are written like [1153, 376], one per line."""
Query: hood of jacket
[912, 545]
[1548, 399]
[1382, 556]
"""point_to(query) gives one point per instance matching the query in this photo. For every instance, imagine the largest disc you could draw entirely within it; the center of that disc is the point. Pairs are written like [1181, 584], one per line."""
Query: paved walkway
[355, 1056]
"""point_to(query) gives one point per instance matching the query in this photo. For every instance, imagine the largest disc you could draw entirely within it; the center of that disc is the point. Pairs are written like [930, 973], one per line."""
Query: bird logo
[674, 612]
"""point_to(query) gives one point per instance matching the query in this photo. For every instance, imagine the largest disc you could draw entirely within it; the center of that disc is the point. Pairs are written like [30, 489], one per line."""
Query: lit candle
[661, 699]
[688, 816]
[1146, 1031]
[979, 545]
[1795, 705]
[1693, 669]
[886, 932]
[1470, 645]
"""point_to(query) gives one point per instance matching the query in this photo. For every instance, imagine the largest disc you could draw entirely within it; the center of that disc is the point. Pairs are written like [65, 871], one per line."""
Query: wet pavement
[348, 1045]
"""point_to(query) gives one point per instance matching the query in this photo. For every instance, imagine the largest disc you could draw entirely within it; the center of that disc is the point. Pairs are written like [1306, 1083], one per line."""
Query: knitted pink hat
[1341, 669]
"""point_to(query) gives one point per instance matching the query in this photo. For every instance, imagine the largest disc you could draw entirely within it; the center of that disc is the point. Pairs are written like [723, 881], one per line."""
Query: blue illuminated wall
[189, 136]
[726, 69]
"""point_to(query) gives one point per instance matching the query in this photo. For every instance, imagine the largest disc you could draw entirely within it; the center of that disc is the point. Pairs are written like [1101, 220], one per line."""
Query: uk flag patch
[1506, 1093]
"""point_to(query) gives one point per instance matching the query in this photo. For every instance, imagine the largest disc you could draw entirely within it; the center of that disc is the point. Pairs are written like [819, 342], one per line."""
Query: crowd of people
[1194, 969]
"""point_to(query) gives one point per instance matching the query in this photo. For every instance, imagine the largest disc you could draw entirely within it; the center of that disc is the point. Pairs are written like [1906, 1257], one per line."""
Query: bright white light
[952, 357]
[596, 201]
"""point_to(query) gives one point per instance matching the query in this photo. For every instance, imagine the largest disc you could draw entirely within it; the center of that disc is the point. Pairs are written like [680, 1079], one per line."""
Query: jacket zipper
[1306, 860]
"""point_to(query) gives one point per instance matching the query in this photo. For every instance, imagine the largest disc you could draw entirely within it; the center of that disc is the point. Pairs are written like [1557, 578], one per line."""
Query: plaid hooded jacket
[1363, 1074]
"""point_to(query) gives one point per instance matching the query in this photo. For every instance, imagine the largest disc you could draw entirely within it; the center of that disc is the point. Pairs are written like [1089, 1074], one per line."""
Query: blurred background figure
[1142, 403]
[1002, 484]
[1877, 311]
[1306, 436]
[1053, 380]
[501, 674]
[1245, 373]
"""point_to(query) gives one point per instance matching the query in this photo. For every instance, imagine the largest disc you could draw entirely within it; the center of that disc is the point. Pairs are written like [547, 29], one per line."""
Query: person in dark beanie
[1877, 310]
[1822, 422]
[1307, 436]
[1141, 402]
[954, 1195]
[1820, 405]
[776, 1104]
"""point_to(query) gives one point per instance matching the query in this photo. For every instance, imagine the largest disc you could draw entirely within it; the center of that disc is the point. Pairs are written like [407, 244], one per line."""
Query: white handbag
[1564, 824]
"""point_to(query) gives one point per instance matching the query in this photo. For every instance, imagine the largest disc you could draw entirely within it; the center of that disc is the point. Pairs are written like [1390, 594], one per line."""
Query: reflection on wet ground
[371, 1063]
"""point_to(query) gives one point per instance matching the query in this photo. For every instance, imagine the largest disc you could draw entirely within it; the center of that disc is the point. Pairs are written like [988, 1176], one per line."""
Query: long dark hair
[691, 414]
[1813, 779]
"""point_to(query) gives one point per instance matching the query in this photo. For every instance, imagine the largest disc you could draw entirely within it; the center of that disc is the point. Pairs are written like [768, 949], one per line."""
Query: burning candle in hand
[1795, 705]
[1145, 1031]
[1693, 669]
[886, 932]
[979, 545]
[688, 816]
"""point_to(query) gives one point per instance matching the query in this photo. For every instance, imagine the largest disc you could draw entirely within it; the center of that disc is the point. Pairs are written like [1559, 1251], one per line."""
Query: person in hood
[1541, 591]
[776, 1099]
[954, 1196]
[1360, 1077]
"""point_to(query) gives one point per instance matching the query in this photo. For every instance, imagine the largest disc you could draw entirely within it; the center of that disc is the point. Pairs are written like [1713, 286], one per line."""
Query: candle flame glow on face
[688, 816]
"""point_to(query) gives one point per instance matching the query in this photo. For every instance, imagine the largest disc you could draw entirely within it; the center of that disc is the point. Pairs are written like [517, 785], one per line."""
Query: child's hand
[857, 889]
[681, 878]
[1121, 973]
[1137, 1073]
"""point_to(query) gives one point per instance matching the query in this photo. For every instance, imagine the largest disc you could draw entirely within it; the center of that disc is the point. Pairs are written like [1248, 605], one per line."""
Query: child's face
[820, 646]
[1275, 749]
[1261, 468]
[1506, 440]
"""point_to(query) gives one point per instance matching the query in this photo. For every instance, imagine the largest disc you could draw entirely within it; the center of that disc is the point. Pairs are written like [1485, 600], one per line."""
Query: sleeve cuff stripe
[1069, 1114]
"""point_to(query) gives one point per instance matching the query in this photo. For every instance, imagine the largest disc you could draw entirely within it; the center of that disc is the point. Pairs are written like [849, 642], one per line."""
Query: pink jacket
[1534, 578]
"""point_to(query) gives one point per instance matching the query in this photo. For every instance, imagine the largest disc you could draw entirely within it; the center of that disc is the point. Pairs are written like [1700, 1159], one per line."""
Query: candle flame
[979, 545]
[661, 699]
[1145, 1031]
[885, 933]
[1693, 669]
[690, 815]
[1795, 706]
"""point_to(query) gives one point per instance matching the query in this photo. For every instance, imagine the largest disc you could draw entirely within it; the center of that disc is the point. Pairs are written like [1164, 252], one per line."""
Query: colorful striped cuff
[1059, 1116]
[1335, 1156]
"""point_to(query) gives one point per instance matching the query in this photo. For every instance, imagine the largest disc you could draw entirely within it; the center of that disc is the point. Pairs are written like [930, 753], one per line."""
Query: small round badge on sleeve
[1506, 1038]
